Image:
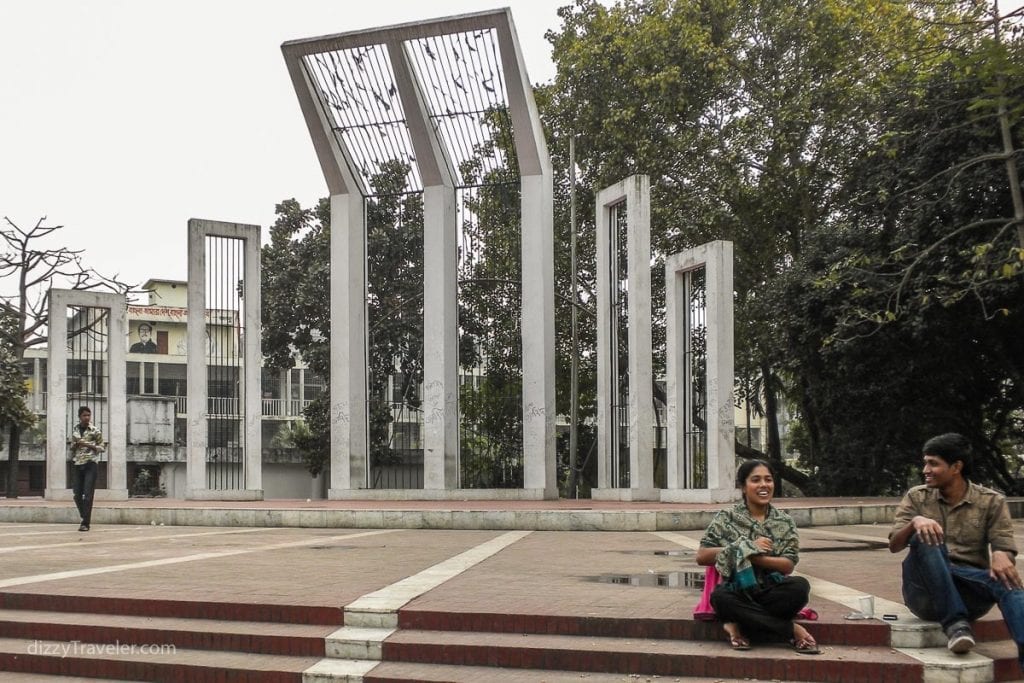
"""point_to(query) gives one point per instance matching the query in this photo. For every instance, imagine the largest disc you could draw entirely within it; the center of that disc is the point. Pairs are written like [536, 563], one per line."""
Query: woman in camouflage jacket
[754, 546]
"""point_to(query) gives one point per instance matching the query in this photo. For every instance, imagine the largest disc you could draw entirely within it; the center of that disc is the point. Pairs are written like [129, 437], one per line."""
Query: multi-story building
[157, 386]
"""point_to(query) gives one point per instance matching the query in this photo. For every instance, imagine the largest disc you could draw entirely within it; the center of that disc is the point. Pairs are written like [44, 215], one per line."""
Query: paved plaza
[417, 591]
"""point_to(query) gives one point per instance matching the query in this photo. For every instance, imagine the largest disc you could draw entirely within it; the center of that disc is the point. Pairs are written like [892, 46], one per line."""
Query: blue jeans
[84, 488]
[935, 589]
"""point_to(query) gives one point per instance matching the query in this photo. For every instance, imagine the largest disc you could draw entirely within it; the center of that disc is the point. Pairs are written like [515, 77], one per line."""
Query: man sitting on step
[962, 557]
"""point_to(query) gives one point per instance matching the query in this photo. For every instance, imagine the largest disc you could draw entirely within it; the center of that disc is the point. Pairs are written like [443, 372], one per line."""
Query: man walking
[86, 446]
[962, 557]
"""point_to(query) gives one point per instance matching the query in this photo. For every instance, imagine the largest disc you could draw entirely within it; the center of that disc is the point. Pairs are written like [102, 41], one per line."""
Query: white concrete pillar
[538, 332]
[537, 312]
[198, 409]
[635, 193]
[116, 431]
[716, 258]
[348, 345]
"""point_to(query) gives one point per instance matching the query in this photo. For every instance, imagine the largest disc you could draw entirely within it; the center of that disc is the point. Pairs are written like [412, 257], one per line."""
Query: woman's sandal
[739, 643]
[805, 646]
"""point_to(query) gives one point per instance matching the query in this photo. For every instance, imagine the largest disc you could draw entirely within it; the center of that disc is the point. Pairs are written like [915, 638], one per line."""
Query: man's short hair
[950, 447]
[84, 409]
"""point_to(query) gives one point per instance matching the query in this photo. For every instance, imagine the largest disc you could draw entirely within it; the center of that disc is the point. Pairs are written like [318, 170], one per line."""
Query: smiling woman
[754, 546]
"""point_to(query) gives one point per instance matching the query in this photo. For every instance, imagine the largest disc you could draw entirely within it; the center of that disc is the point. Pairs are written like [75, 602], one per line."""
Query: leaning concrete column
[537, 311]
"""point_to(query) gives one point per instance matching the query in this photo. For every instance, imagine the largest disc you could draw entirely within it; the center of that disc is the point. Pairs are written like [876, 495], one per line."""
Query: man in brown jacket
[962, 557]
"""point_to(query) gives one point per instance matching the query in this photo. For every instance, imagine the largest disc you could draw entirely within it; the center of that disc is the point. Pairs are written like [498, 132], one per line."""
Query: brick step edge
[842, 664]
[836, 633]
[271, 644]
[114, 662]
[184, 609]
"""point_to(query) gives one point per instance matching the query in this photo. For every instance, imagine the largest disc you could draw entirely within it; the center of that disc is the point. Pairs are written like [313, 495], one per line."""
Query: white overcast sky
[122, 119]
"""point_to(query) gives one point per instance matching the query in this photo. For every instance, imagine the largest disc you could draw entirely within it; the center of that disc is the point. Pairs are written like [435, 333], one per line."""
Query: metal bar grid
[225, 452]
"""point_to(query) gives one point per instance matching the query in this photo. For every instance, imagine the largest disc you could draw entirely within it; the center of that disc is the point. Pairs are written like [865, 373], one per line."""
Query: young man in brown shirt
[962, 557]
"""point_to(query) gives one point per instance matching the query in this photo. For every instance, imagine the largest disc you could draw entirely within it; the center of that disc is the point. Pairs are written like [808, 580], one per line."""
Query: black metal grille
[225, 386]
[88, 376]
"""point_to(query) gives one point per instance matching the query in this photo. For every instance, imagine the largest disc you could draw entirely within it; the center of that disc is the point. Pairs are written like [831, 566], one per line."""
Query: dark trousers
[84, 488]
[937, 590]
[765, 612]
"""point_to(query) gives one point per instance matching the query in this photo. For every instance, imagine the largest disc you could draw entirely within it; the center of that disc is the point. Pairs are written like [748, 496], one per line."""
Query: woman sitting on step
[754, 546]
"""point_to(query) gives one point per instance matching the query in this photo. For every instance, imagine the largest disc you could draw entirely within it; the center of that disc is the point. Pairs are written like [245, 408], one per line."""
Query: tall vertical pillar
[198, 487]
[635, 192]
[348, 345]
[719, 428]
[116, 432]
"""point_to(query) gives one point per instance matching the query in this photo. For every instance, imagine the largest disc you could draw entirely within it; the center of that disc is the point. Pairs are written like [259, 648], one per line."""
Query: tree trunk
[14, 448]
[771, 414]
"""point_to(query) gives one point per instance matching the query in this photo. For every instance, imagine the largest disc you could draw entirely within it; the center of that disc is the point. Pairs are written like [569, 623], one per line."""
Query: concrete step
[834, 630]
[122, 662]
[199, 634]
[661, 657]
[1004, 659]
[184, 609]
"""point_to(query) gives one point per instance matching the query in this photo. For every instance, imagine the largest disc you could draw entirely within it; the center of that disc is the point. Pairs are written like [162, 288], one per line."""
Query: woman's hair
[747, 467]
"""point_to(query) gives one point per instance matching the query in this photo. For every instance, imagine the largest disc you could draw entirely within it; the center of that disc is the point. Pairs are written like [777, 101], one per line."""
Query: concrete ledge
[606, 517]
[624, 494]
[699, 495]
[98, 494]
[438, 494]
[224, 494]
[942, 666]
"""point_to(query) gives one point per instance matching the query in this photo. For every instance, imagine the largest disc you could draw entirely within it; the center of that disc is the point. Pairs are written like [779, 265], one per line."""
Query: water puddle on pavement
[687, 579]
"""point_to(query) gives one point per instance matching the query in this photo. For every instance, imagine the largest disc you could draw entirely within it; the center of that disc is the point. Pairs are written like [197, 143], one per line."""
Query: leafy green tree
[296, 306]
[744, 114]
[913, 318]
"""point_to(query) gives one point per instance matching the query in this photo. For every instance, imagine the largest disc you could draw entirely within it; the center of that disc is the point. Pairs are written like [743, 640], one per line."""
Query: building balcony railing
[216, 405]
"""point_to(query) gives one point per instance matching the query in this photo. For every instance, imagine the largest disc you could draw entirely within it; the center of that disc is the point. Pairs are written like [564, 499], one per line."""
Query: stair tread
[409, 671]
[166, 623]
[178, 656]
[874, 654]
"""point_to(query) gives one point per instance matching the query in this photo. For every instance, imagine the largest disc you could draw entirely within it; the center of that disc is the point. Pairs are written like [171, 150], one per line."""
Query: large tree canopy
[793, 129]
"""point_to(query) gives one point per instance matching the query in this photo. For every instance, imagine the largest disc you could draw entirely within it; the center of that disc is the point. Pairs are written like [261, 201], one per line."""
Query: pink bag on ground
[703, 611]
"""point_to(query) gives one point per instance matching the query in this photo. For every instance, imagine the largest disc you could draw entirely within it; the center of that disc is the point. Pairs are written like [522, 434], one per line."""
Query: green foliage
[296, 305]
[14, 411]
[850, 150]
[913, 316]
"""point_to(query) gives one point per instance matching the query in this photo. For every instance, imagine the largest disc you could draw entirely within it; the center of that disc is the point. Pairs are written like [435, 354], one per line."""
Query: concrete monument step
[199, 634]
[650, 657]
[120, 661]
